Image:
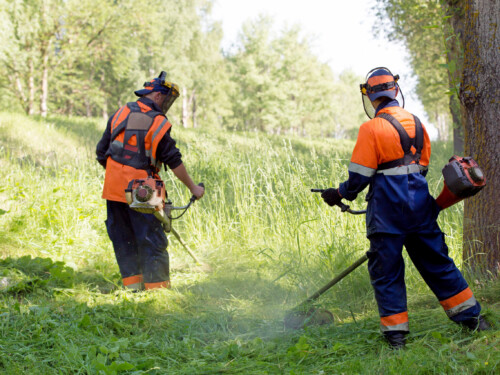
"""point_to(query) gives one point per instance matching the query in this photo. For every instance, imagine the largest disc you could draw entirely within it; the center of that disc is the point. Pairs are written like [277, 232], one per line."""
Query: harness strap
[137, 123]
[406, 142]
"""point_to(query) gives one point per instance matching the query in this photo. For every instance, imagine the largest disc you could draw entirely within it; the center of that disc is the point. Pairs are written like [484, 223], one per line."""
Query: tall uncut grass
[269, 241]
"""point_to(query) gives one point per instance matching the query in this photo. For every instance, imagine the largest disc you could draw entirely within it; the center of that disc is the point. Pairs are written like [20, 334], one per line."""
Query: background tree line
[86, 58]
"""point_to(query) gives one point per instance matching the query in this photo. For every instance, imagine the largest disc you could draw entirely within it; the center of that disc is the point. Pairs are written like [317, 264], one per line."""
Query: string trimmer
[305, 314]
[149, 196]
[463, 178]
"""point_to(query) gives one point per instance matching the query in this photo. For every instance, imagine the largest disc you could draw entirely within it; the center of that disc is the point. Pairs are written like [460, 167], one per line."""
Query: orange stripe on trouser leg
[457, 299]
[132, 280]
[395, 319]
[162, 284]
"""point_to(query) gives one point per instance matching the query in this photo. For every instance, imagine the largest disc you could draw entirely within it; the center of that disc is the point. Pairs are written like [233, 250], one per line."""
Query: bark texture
[480, 99]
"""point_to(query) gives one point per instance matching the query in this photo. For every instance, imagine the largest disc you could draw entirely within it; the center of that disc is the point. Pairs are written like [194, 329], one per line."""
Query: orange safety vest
[136, 131]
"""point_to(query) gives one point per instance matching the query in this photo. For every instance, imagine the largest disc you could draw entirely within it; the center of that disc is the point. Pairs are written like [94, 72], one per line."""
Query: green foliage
[423, 27]
[270, 243]
[282, 88]
[87, 57]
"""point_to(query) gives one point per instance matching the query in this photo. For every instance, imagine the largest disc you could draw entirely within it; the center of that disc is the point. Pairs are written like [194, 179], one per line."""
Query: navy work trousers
[140, 244]
[429, 254]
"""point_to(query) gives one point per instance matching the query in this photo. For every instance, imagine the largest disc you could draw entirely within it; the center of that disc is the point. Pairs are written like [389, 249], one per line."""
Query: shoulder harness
[136, 123]
[406, 142]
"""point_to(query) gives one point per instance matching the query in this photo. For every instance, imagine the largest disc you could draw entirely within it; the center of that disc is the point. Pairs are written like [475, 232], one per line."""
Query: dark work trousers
[139, 242]
[429, 254]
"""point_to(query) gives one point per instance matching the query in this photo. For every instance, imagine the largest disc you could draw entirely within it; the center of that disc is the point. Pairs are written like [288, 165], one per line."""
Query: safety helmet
[380, 82]
[170, 89]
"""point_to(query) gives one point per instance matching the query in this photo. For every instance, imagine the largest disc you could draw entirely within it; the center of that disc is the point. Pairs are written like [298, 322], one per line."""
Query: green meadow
[269, 244]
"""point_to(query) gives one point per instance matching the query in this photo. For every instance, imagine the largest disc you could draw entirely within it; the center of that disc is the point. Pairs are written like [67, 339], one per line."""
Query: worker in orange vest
[134, 145]
[391, 155]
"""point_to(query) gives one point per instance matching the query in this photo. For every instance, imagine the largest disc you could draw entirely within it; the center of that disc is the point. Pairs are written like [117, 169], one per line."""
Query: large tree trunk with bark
[455, 59]
[480, 98]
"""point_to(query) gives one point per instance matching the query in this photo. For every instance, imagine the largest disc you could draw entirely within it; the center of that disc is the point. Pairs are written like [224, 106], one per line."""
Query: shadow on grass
[24, 275]
[224, 323]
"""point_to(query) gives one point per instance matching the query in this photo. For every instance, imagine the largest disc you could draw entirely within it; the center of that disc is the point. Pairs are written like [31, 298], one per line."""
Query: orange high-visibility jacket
[136, 131]
[398, 198]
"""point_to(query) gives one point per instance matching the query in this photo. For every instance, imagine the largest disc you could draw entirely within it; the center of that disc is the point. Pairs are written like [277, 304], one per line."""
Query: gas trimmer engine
[146, 195]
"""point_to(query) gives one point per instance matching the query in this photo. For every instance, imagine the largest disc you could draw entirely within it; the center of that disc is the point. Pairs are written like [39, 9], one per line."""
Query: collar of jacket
[387, 103]
[151, 104]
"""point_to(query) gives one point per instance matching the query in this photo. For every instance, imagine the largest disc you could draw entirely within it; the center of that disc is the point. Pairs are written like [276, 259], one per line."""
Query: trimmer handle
[343, 207]
[193, 197]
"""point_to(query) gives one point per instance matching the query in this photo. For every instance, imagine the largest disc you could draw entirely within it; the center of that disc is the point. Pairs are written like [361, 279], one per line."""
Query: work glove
[331, 196]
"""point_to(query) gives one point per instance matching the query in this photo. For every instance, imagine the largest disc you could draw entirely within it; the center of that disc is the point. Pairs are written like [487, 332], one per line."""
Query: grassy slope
[269, 241]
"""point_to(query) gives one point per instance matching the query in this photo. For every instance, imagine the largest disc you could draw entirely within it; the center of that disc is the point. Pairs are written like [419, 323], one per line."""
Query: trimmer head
[297, 319]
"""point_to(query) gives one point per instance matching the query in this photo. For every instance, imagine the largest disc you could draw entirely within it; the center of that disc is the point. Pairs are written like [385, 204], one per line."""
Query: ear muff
[362, 88]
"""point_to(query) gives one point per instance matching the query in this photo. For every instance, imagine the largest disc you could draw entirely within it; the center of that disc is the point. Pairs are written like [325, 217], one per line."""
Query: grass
[270, 244]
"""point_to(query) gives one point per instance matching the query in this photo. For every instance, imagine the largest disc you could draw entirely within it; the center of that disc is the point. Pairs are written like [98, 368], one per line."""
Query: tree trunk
[479, 95]
[195, 124]
[185, 112]
[45, 80]
[441, 126]
[458, 129]
[31, 87]
[20, 91]
[186, 103]
[455, 59]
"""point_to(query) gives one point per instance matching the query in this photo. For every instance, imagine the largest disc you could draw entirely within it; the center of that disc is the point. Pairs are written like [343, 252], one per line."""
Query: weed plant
[269, 241]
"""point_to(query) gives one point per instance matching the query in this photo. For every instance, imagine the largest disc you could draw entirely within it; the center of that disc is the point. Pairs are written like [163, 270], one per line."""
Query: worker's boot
[396, 339]
[477, 324]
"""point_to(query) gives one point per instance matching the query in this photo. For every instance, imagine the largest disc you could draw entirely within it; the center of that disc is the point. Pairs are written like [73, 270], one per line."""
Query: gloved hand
[331, 196]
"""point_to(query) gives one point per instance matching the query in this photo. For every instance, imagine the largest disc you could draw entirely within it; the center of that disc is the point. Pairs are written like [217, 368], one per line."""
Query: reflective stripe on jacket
[136, 132]
[398, 199]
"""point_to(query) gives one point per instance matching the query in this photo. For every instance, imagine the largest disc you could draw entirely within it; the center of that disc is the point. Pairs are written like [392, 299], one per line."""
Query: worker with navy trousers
[392, 155]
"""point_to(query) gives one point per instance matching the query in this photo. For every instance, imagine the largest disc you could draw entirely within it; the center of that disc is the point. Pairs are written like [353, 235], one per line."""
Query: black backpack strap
[419, 139]
[406, 143]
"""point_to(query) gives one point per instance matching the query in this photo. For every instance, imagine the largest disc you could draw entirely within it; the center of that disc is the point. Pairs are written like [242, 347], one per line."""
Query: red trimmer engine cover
[462, 179]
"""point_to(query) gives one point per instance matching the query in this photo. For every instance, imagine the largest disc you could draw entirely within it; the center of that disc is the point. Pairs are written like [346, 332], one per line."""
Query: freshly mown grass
[269, 241]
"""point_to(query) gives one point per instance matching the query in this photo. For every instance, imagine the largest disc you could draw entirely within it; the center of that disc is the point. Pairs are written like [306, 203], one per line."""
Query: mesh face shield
[367, 106]
[169, 100]
[380, 83]
[172, 94]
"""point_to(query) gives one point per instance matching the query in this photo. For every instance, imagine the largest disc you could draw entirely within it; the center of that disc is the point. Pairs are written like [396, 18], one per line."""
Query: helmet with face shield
[160, 84]
[380, 82]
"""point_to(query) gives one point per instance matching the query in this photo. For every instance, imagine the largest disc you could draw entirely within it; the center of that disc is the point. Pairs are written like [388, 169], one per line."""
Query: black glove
[331, 196]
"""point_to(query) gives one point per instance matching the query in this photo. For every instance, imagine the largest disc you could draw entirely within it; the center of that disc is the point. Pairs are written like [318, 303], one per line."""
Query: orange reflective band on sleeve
[457, 299]
[161, 284]
[395, 319]
[132, 280]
